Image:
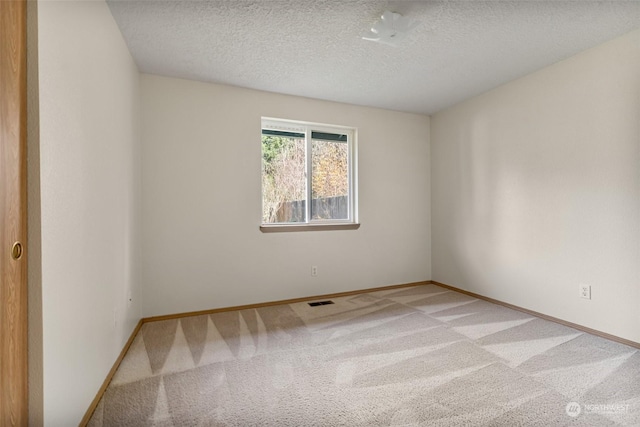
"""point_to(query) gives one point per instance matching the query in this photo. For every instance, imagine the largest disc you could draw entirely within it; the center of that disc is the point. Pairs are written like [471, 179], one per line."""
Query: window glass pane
[329, 179]
[329, 136]
[283, 179]
[282, 133]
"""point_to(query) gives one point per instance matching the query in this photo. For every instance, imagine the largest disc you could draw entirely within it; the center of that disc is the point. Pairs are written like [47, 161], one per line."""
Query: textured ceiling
[313, 48]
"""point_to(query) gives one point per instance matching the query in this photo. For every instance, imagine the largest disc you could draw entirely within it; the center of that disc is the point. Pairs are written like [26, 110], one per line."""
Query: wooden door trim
[13, 214]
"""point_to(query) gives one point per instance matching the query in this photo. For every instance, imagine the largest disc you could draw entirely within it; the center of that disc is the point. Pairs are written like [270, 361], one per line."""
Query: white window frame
[307, 128]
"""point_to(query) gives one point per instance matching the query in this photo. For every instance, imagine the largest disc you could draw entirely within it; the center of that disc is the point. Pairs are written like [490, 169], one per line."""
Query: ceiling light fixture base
[390, 29]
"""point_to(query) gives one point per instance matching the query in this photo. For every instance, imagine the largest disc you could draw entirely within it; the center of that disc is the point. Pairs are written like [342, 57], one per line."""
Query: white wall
[536, 189]
[202, 247]
[89, 150]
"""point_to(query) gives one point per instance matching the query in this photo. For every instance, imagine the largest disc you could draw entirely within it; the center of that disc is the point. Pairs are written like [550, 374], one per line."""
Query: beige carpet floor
[422, 355]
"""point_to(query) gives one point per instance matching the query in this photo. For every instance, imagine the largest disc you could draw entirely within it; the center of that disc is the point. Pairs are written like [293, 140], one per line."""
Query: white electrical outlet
[585, 291]
[314, 270]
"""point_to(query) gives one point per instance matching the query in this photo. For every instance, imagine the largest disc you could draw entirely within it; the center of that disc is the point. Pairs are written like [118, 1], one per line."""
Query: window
[304, 162]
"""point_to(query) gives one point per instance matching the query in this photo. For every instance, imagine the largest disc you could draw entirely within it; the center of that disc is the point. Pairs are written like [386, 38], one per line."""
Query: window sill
[283, 228]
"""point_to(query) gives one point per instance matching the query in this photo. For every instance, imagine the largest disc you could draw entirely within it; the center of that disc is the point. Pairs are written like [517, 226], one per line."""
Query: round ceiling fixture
[391, 28]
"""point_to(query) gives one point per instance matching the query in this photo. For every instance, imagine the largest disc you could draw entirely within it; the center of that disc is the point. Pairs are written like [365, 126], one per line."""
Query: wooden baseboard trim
[280, 302]
[105, 384]
[542, 316]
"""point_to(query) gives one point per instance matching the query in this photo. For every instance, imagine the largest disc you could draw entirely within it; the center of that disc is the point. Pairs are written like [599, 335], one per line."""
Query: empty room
[320, 213]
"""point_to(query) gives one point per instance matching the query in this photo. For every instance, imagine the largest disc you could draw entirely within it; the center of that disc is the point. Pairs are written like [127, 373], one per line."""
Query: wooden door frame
[13, 214]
